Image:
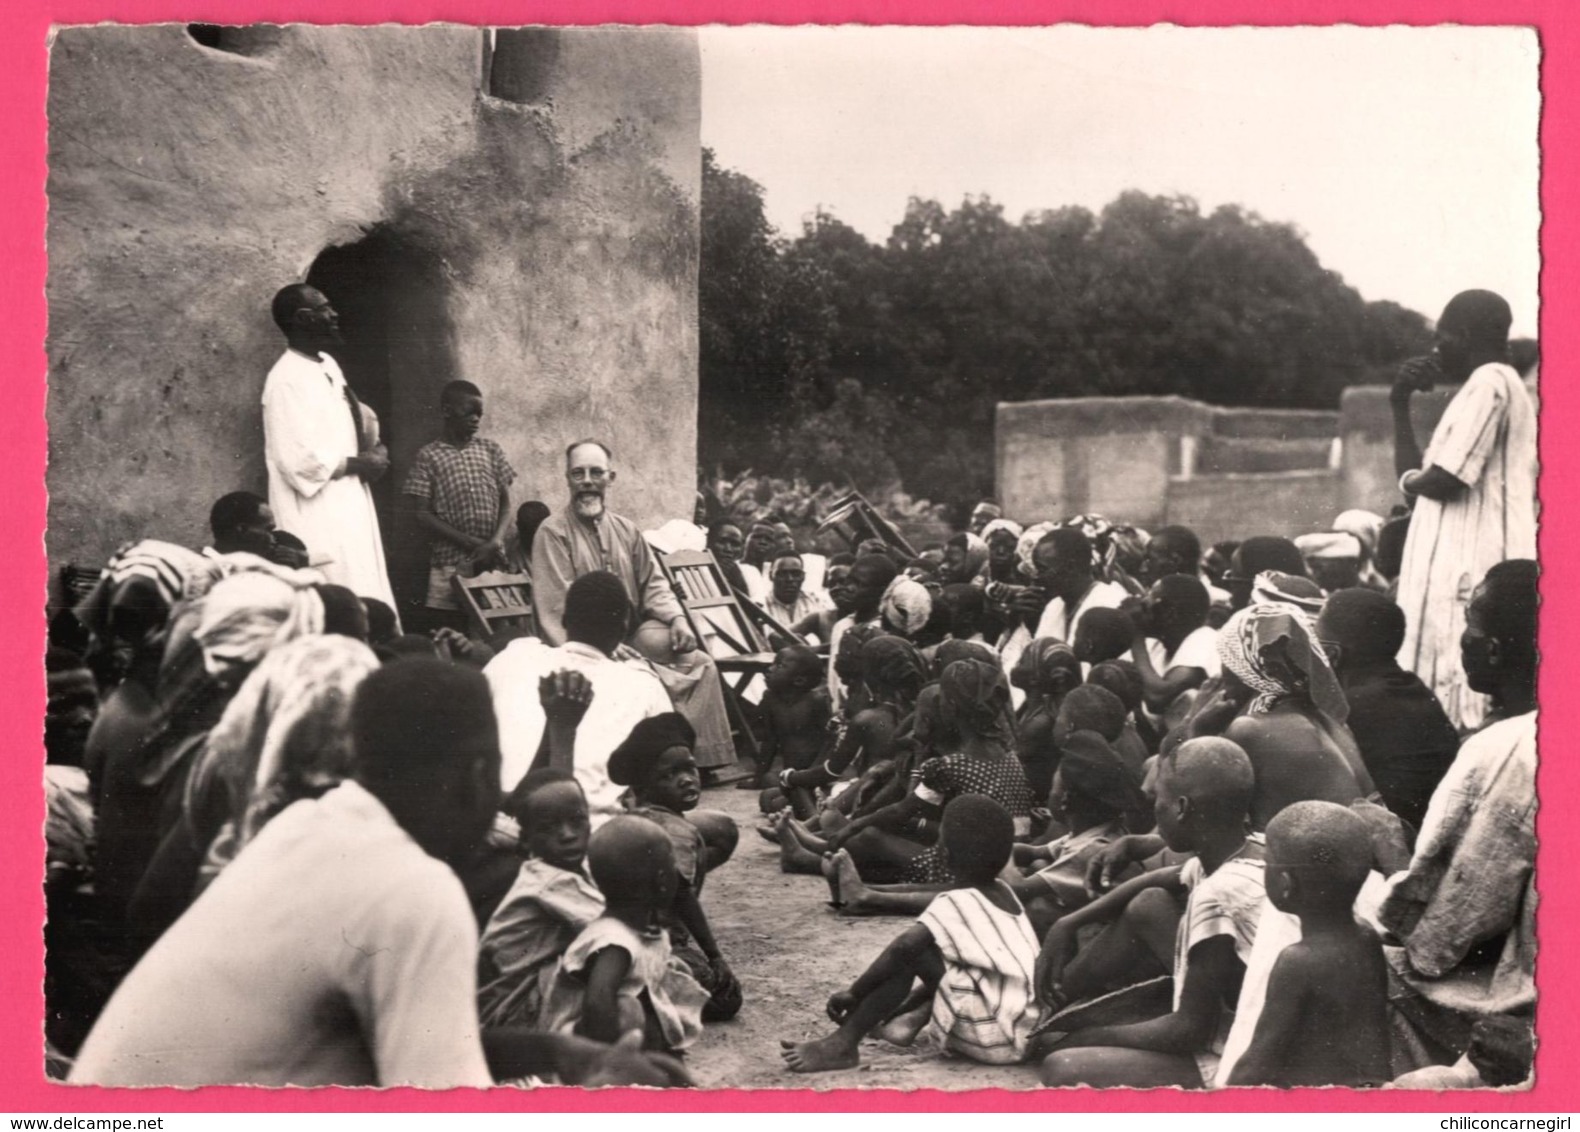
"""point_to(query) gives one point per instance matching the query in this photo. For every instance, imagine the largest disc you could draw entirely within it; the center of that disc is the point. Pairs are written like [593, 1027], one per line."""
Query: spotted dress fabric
[998, 775]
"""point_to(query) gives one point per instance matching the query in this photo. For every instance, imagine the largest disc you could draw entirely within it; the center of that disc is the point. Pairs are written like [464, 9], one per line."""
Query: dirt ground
[791, 951]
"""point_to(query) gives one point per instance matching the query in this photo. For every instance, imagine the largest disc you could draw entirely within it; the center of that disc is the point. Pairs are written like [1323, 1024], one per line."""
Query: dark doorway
[398, 354]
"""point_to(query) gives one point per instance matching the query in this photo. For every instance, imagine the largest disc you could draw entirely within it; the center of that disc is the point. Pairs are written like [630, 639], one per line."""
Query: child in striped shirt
[973, 950]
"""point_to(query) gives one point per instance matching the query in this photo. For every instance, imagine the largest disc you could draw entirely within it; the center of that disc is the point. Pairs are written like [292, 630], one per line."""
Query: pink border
[22, 512]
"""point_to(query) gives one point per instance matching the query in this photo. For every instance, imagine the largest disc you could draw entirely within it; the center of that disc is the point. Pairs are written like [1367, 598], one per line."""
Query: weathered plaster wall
[1256, 471]
[1111, 455]
[1288, 503]
[187, 184]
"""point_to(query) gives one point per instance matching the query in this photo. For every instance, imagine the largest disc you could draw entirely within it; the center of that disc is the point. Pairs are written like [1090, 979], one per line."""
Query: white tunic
[307, 432]
[332, 951]
[1487, 439]
[624, 694]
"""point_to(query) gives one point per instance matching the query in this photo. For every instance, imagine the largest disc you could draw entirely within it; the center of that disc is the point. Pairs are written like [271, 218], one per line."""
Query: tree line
[829, 356]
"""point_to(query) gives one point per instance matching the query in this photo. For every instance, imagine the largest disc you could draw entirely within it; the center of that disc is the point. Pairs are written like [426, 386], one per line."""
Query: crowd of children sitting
[1158, 760]
[1160, 816]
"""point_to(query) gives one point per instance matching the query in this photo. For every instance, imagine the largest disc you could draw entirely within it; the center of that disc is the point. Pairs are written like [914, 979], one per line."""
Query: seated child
[1086, 708]
[657, 763]
[1090, 794]
[1103, 634]
[1325, 1018]
[1047, 672]
[795, 718]
[973, 950]
[618, 975]
[551, 901]
[892, 672]
[1121, 679]
[1204, 791]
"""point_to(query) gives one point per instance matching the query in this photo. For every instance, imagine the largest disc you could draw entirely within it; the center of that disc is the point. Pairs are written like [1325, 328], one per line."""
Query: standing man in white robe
[1474, 490]
[319, 464]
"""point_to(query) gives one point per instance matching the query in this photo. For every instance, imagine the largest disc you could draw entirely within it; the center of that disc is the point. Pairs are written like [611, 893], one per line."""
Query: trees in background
[828, 356]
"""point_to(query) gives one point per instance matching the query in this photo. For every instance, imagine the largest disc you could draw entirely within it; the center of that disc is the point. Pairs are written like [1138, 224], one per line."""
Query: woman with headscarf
[212, 645]
[283, 737]
[1282, 703]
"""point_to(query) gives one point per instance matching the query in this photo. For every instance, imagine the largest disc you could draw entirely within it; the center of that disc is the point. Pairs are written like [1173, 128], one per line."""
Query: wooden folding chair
[496, 602]
[857, 519]
[726, 632]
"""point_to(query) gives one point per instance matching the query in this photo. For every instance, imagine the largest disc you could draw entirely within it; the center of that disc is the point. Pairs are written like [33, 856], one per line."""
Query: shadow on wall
[399, 351]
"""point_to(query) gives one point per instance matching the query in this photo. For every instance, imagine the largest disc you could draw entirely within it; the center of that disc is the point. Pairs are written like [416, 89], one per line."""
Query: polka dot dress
[945, 779]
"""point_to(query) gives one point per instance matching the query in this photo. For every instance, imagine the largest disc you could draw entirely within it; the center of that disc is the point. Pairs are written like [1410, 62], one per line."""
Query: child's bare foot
[846, 881]
[831, 874]
[902, 1029]
[806, 837]
[820, 1056]
[795, 857]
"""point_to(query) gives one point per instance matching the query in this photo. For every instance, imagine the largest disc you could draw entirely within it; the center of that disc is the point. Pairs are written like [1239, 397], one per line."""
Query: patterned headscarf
[1273, 653]
[175, 573]
[894, 663]
[977, 692]
[1029, 538]
[247, 615]
[1126, 542]
[1045, 656]
[1302, 595]
[285, 736]
[906, 605]
[1099, 532]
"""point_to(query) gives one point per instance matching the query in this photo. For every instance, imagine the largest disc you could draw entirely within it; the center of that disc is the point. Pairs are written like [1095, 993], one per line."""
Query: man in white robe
[1474, 489]
[319, 454]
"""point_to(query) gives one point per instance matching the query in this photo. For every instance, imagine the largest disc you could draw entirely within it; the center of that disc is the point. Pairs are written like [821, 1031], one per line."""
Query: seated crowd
[1158, 816]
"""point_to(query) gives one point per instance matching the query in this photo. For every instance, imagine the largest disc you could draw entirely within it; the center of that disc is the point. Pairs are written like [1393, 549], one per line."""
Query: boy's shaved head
[978, 836]
[1483, 316]
[1215, 774]
[1329, 846]
[630, 858]
[1103, 634]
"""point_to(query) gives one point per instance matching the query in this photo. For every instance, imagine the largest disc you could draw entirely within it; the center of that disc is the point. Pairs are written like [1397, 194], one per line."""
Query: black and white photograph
[825, 557]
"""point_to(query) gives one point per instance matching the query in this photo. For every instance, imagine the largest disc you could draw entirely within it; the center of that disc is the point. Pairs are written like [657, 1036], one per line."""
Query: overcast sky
[1408, 156]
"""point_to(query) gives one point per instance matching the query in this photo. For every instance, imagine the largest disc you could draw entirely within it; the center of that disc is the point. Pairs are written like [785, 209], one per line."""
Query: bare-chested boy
[795, 715]
[1325, 1020]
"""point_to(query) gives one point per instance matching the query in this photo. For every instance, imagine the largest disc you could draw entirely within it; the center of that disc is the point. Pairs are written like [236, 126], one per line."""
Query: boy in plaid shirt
[461, 486]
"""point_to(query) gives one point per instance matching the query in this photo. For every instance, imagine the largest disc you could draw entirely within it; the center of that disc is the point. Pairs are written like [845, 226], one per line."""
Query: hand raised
[565, 696]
